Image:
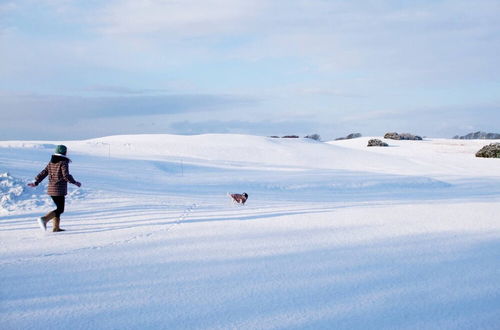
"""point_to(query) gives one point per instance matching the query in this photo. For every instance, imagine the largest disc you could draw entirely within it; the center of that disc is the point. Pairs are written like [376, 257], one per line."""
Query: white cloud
[182, 18]
[325, 91]
[321, 59]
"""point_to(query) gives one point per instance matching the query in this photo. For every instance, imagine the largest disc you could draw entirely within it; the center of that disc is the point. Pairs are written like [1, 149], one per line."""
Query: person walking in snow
[58, 172]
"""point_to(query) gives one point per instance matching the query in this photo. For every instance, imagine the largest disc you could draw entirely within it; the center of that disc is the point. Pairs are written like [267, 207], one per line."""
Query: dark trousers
[59, 201]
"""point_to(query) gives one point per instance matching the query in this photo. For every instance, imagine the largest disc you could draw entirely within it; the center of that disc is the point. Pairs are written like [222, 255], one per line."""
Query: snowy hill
[220, 150]
[334, 235]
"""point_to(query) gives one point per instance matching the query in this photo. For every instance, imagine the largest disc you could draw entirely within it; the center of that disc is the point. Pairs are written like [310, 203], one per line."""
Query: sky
[85, 69]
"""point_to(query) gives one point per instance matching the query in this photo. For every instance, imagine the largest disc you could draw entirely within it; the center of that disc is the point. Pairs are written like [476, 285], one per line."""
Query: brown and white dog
[239, 198]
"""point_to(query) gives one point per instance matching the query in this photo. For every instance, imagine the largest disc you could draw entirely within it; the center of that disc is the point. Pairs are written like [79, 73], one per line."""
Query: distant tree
[353, 136]
[350, 136]
[315, 137]
[290, 137]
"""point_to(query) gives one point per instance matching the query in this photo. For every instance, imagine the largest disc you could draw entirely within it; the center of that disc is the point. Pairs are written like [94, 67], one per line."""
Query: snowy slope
[446, 157]
[335, 235]
[223, 150]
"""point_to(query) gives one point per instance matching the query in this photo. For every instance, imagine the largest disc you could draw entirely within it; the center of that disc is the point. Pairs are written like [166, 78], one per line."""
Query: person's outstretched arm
[68, 177]
[39, 178]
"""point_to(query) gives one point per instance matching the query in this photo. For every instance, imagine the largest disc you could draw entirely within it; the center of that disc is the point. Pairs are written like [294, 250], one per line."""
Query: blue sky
[82, 69]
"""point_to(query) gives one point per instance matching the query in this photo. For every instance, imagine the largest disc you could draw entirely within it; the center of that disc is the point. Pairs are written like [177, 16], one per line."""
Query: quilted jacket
[58, 172]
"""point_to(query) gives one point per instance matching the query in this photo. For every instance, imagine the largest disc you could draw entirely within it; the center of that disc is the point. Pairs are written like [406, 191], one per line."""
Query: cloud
[122, 90]
[49, 117]
[184, 18]
[327, 92]
[409, 43]
[332, 62]
[60, 108]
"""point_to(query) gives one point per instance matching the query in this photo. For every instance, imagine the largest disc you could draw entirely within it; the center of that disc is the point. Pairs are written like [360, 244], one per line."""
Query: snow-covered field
[334, 235]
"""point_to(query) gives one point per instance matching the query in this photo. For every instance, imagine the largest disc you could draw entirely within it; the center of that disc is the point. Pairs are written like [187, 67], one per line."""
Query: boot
[49, 216]
[42, 221]
[56, 228]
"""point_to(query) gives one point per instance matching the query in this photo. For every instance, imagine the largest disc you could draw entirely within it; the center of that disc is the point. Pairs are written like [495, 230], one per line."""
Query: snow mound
[15, 196]
[10, 187]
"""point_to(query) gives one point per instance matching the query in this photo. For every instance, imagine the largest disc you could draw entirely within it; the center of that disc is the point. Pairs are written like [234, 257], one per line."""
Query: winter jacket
[58, 171]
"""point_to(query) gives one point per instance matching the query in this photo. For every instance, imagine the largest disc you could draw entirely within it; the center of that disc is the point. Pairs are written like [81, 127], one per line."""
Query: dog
[239, 198]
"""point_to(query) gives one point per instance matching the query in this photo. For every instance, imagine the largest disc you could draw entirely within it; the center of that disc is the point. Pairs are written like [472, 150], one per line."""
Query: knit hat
[61, 150]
